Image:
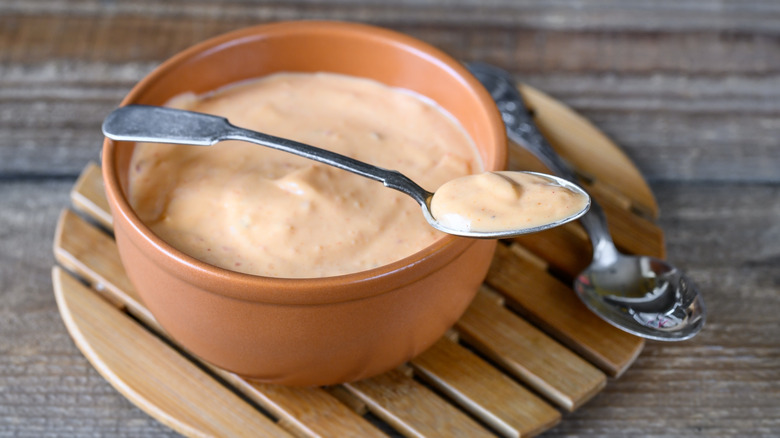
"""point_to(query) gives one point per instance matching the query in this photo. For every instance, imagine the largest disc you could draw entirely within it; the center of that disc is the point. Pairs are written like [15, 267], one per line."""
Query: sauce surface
[252, 209]
[499, 201]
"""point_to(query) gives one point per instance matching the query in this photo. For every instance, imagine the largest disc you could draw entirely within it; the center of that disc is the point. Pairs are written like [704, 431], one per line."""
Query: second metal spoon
[154, 124]
[639, 294]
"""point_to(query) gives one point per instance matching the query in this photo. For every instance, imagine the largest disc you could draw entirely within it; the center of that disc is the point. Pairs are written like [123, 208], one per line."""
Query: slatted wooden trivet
[524, 352]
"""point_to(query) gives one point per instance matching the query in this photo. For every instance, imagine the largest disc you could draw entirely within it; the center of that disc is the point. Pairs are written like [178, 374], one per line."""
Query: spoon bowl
[143, 123]
[640, 294]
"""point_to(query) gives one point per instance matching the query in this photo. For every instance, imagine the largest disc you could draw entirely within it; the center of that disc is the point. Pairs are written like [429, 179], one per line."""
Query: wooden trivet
[525, 351]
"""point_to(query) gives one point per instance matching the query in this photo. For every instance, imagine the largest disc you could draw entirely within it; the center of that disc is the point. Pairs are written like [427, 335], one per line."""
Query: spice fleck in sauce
[498, 201]
[252, 209]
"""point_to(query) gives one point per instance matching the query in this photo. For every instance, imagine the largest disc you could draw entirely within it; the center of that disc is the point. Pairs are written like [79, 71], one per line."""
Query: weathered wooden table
[689, 89]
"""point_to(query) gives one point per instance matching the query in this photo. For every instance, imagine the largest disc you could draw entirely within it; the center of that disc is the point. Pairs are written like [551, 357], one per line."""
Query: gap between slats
[77, 250]
[71, 248]
[75, 236]
[92, 197]
[293, 405]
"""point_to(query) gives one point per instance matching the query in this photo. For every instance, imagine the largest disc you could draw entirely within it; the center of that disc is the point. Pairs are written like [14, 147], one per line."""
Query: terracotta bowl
[308, 331]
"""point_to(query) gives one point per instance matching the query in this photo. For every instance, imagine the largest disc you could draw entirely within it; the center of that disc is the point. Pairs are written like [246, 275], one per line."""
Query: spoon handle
[522, 130]
[156, 124]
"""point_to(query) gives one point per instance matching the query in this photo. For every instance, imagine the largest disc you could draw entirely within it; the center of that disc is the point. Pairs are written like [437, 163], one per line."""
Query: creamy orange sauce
[499, 201]
[252, 209]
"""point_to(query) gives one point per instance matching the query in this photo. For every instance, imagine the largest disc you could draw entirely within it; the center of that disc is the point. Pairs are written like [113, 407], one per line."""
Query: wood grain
[698, 74]
[413, 409]
[92, 254]
[48, 387]
[165, 384]
[89, 195]
[309, 412]
[580, 141]
[488, 394]
[688, 88]
[722, 383]
[554, 306]
[571, 251]
[529, 354]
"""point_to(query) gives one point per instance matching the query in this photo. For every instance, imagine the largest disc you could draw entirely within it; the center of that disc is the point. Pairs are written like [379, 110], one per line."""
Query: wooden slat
[576, 139]
[310, 412]
[612, 195]
[487, 293]
[92, 254]
[148, 372]
[535, 358]
[521, 159]
[413, 409]
[349, 399]
[616, 183]
[570, 252]
[565, 249]
[497, 400]
[631, 233]
[89, 195]
[555, 307]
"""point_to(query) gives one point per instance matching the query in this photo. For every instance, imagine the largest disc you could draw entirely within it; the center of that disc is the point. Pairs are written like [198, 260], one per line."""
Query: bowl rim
[297, 291]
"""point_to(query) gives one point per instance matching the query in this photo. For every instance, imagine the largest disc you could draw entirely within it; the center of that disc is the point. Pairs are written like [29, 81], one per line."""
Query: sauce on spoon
[497, 201]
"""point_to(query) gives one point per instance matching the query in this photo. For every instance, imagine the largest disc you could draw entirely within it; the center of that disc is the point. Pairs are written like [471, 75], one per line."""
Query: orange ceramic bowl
[322, 330]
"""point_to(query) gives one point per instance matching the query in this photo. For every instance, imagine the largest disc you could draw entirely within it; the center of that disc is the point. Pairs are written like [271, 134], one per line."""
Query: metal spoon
[155, 124]
[639, 294]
